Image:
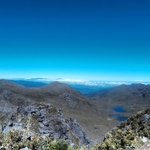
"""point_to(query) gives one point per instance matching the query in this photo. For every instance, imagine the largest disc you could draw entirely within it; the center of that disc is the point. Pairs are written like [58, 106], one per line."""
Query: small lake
[118, 117]
[119, 109]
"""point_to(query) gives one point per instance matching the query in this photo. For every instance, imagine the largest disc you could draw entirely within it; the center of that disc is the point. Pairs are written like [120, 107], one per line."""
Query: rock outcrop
[44, 120]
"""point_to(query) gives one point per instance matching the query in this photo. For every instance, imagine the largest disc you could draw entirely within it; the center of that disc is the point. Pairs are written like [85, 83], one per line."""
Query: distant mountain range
[85, 87]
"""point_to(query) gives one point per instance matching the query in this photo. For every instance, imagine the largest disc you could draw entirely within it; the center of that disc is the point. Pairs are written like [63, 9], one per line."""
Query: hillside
[134, 133]
[128, 98]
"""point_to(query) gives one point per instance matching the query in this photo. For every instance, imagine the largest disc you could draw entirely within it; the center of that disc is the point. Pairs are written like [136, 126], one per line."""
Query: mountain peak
[59, 88]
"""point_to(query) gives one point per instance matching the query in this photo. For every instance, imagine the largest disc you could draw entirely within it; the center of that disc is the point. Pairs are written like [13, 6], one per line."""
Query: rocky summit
[41, 121]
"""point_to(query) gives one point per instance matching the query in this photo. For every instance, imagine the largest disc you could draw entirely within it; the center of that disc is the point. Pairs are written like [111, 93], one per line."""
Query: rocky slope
[41, 121]
[42, 126]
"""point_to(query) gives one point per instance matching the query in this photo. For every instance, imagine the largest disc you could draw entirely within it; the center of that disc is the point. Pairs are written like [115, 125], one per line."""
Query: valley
[97, 113]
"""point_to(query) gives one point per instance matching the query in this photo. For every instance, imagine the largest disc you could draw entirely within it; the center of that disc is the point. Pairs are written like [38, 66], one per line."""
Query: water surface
[119, 109]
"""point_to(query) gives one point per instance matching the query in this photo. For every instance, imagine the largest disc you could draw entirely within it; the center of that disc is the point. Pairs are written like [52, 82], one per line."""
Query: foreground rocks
[43, 121]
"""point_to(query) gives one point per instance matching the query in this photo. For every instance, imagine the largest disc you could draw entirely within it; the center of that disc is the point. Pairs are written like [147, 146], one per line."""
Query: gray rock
[46, 123]
[26, 148]
[146, 117]
[41, 119]
[56, 136]
[78, 132]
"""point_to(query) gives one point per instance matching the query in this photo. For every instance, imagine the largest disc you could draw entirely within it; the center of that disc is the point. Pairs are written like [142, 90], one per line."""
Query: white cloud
[84, 82]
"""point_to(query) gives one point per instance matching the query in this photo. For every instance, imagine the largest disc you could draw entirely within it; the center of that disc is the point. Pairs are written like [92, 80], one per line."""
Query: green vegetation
[33, 123]
[15, 140]
[129, 133]
[58, 145]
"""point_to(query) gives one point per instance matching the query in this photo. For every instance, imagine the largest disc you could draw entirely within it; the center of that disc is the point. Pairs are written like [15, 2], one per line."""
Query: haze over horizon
[75, 39]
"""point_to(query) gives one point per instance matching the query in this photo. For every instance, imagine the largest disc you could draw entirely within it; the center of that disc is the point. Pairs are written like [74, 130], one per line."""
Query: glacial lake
[118, 117]
[119, 109]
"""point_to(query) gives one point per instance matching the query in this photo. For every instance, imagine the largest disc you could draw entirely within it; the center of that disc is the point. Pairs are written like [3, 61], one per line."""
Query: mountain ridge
[68, 99]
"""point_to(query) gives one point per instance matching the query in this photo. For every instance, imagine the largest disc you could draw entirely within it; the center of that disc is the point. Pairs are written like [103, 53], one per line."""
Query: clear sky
[75, 39]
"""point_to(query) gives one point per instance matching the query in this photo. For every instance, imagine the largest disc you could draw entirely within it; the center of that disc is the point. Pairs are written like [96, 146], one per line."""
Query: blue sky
[75, 39]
